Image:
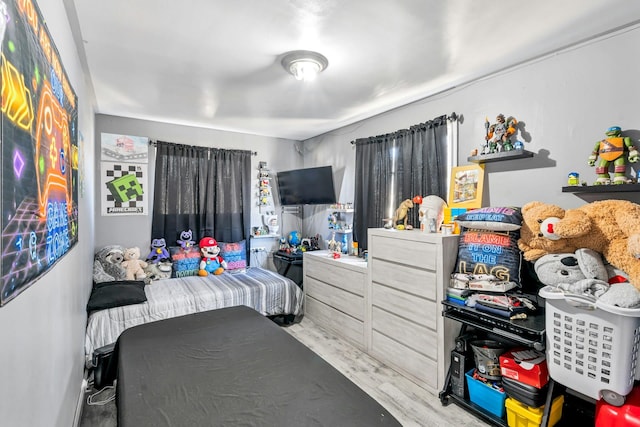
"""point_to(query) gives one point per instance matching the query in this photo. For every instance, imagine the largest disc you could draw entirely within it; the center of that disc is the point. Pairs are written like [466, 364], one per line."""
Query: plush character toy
[133, 265]
[186, 240]
[584, 273]
[609, 227]
[159, 252]
[107, 265]
[159, 270]
[211, 261]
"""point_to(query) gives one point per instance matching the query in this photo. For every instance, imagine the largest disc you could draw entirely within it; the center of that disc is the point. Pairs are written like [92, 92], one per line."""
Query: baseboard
[80, 403]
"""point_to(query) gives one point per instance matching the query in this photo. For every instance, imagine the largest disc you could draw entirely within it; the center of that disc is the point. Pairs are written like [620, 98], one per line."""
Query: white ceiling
[216, 63]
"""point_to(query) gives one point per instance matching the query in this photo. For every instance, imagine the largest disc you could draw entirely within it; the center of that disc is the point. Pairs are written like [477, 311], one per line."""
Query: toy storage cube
[485, 396]
[521, 415]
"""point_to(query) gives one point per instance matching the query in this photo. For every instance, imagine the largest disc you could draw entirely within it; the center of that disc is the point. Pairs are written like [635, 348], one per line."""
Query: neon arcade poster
[39, 150]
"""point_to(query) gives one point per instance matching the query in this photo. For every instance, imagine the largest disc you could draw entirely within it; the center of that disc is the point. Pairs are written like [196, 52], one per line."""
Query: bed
[265, 291]
[232, 367]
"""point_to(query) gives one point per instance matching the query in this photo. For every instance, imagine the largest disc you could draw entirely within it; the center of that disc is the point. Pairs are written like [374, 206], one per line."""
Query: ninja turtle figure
[612, 149]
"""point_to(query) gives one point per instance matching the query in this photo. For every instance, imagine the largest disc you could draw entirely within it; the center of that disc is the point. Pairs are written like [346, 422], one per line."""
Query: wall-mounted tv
[309, 186]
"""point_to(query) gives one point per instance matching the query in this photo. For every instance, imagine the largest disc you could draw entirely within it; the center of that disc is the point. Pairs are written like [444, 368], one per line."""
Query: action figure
[612, 149]
[498, 135]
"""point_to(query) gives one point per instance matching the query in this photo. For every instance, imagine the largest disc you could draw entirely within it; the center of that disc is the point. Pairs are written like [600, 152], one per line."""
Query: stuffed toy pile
[107, 264]
[609, 227]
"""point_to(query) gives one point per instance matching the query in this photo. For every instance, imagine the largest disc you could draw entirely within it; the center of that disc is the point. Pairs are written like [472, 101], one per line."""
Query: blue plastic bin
[488, 398]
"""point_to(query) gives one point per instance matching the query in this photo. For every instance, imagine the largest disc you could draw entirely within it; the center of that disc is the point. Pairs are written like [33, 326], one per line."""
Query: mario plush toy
[211, 261]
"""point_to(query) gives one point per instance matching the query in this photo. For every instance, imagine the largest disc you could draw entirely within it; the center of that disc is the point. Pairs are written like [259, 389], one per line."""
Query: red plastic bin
[627, 415]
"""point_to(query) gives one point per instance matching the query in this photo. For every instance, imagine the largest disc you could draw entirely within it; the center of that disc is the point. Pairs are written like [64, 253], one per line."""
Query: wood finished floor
[410, 404]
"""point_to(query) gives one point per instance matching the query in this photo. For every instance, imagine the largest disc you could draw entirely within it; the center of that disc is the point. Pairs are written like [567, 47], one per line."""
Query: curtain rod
[154, 143]
[451, 117]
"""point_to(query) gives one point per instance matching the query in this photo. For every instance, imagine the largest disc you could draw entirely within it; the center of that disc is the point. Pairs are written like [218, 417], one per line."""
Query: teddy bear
[133, 265]
[609, 227]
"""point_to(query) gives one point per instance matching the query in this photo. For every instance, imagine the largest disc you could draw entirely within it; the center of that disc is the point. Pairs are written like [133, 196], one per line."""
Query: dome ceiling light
[304, 65]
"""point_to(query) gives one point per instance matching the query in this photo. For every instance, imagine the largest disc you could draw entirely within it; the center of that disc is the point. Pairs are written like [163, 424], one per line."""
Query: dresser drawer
[407, 279]
[417, 367]
[419, 254]
[344, 301]
[344, 278]
[421, 339]
[334, 320]
[418, 310]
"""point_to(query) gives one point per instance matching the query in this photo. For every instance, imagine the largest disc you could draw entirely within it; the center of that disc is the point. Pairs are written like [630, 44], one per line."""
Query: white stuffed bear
[133, 265]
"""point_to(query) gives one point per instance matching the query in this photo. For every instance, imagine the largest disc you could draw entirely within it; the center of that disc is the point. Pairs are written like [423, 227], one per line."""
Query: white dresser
[335, 294]
[408, 272]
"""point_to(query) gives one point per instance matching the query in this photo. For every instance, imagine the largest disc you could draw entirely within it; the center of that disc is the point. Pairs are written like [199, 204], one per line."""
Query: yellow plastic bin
[521, 415]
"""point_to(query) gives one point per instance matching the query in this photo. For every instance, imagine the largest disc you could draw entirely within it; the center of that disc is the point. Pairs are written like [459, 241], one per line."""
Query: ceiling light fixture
[305, 65]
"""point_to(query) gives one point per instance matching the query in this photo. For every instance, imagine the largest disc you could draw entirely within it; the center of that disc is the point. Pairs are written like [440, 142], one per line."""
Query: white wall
[280, 154]
[42, 329]
[565, 101]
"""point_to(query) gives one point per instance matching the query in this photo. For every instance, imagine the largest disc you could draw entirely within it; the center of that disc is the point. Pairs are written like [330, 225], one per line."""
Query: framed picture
[465, 189]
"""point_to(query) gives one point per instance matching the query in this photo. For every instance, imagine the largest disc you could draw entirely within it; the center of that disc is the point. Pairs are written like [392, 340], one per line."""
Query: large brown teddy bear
[610, 227]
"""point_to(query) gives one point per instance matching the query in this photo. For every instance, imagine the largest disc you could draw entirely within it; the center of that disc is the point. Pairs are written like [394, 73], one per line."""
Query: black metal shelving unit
[529, 332]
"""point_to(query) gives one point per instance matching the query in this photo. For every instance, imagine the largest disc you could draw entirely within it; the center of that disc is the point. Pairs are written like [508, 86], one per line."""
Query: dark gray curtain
[398, 166]
[206, 190]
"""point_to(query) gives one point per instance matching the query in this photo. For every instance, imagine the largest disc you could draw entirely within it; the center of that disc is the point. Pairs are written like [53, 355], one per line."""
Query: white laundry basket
[591, 346]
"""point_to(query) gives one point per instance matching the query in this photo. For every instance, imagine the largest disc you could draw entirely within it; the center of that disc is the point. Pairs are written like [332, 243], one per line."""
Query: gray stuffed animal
[107, 266]
[584, 272]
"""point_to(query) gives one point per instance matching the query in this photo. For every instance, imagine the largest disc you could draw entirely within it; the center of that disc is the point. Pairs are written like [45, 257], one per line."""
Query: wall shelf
[497, 157]
[612, 188]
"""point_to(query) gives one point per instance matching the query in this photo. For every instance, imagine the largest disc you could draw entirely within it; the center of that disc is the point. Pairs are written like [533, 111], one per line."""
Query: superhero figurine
[612, 149]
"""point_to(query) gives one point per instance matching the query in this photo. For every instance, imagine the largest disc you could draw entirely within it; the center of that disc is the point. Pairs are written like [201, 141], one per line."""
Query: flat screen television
[309, 186]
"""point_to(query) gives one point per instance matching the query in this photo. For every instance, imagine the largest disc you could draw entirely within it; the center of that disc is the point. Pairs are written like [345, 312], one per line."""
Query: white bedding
[265, 291]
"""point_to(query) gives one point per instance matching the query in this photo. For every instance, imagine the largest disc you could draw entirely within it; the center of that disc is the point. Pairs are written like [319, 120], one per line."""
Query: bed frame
[232, 366]
[265, 291]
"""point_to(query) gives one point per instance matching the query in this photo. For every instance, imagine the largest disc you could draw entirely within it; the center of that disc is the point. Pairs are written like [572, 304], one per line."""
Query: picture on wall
[123, 188]
[39, 135]
[465, 189]
[123, 174]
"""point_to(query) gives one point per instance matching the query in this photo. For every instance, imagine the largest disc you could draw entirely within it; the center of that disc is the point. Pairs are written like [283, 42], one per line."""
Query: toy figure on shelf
[573, 178]
[612, 149]
[498, 135]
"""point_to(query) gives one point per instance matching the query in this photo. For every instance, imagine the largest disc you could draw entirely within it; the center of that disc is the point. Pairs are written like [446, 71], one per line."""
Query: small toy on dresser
[211, 261]
[399, 220]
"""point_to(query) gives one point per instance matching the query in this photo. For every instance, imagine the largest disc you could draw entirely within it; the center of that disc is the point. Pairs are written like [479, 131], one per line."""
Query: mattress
[232, 367]
[263, 290]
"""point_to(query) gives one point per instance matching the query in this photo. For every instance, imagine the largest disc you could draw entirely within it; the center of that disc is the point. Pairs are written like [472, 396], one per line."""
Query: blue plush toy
[159, 252]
